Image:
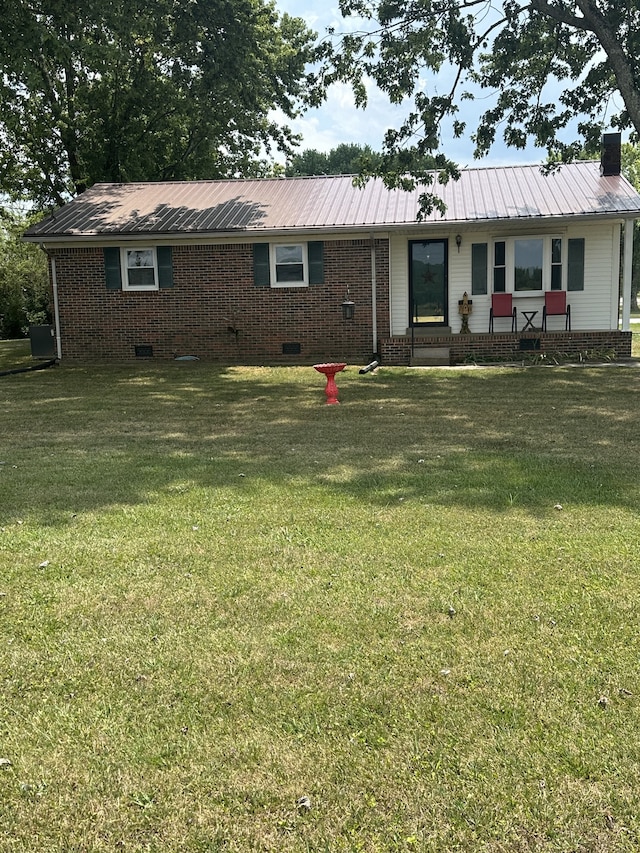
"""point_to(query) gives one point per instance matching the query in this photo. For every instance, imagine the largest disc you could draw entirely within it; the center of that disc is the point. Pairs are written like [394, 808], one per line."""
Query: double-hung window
[139, 269]
[289, 266]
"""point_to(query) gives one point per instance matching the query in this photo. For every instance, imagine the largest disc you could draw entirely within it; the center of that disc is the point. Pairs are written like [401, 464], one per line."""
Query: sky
[339, 121]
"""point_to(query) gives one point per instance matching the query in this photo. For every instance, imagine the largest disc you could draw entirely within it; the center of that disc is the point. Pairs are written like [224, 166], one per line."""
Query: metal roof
[333, 203]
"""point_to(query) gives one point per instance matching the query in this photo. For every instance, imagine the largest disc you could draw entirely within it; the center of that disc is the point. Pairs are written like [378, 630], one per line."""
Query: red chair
[555, 303]
[502, 306]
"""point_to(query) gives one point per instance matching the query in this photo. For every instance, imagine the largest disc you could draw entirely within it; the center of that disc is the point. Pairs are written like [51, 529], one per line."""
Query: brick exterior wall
[503, 347]
[214, 290]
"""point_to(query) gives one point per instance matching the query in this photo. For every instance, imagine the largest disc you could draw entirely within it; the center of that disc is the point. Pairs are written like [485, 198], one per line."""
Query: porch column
[626, 275]
[374, 295]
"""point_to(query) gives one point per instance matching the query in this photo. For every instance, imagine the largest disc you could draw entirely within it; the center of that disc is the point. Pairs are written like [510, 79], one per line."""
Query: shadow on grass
[78, 439]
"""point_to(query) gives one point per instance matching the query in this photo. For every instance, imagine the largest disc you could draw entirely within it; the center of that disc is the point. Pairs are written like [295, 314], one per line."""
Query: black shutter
[315, 251]
[261, 275]
[575, 267]
[165, 267]
[112, 271]
[479, 262]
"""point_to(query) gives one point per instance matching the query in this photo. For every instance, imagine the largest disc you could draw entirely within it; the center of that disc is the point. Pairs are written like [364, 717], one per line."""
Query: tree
[345, 159]
[307, 162]
[144, 90]
[24, 283]
[515, 49]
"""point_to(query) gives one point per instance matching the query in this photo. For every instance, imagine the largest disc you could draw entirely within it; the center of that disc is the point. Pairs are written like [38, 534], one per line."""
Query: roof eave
[252, 235]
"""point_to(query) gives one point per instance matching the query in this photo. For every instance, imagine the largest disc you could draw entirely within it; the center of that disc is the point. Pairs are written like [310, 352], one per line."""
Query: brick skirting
[504, 347]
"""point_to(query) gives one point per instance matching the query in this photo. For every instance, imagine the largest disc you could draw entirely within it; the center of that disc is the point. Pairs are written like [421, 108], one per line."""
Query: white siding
[399, 283]
[594, 308]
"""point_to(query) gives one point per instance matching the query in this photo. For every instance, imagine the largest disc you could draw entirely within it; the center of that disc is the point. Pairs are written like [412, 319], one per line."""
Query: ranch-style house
[300, 270]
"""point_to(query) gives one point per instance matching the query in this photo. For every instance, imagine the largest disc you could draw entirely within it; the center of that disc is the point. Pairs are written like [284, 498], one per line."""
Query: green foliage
[440, 52]
[345, 159]
[24, 287]
[133, 90]
[309, 162]
[348, 159]
[630, 156]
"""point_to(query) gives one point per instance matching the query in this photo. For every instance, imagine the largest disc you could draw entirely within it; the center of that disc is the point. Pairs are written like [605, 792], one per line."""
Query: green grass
[15, 354]
[219, 595]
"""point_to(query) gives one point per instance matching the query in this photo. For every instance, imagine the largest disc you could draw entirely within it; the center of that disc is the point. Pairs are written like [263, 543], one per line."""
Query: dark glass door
[428, 288]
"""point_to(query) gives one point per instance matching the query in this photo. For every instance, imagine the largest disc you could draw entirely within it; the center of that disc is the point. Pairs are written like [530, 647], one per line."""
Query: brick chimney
[610, 156]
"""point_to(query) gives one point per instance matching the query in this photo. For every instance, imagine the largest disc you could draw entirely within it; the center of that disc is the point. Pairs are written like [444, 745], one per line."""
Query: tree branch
[593, 21]
[558, 13]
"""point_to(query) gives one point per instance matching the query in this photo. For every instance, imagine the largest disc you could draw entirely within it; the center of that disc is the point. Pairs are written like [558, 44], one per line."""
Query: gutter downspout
[56, 308]
[626, 274]
[374, 306]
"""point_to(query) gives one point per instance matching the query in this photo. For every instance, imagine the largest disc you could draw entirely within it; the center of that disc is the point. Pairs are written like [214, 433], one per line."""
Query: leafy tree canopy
[24, 283]
[631, 163]
[345, 159]
[440, 52]
[144, 90]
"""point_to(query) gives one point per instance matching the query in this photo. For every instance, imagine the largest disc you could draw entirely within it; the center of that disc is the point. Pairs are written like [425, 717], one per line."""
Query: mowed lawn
[233, 618]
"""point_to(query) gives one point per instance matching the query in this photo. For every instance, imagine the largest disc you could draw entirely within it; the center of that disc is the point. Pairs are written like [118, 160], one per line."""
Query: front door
[428, 287]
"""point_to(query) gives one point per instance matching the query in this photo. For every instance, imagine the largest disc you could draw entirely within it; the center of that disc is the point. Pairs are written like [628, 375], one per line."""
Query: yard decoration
[464, 309]
[330, 369]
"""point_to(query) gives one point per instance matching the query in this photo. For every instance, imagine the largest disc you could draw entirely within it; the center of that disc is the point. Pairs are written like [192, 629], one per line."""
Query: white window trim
[272, 265]
[509, 242]
[125, 268]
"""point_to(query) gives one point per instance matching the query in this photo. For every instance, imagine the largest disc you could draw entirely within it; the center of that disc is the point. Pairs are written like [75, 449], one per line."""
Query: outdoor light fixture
[348, 307]
[458, 241]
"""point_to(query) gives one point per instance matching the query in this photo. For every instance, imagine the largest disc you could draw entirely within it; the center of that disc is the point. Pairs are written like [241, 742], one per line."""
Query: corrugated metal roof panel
[333, 202]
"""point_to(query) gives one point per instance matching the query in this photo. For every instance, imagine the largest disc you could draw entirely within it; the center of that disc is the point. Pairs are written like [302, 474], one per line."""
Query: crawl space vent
[143, 351]
[529, 343]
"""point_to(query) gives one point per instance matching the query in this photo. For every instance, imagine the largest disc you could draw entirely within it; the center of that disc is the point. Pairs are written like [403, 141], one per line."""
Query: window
[139, 269]
[531, 265]
[527, 264]
[288, 264]
[556, 263]
[499, 267]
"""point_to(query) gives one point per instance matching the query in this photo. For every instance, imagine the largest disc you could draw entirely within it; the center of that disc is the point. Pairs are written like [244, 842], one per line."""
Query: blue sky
[339, 121]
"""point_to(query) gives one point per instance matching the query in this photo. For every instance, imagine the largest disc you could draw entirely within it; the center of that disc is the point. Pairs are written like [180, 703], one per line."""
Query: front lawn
[233, 618]
[15, 354]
